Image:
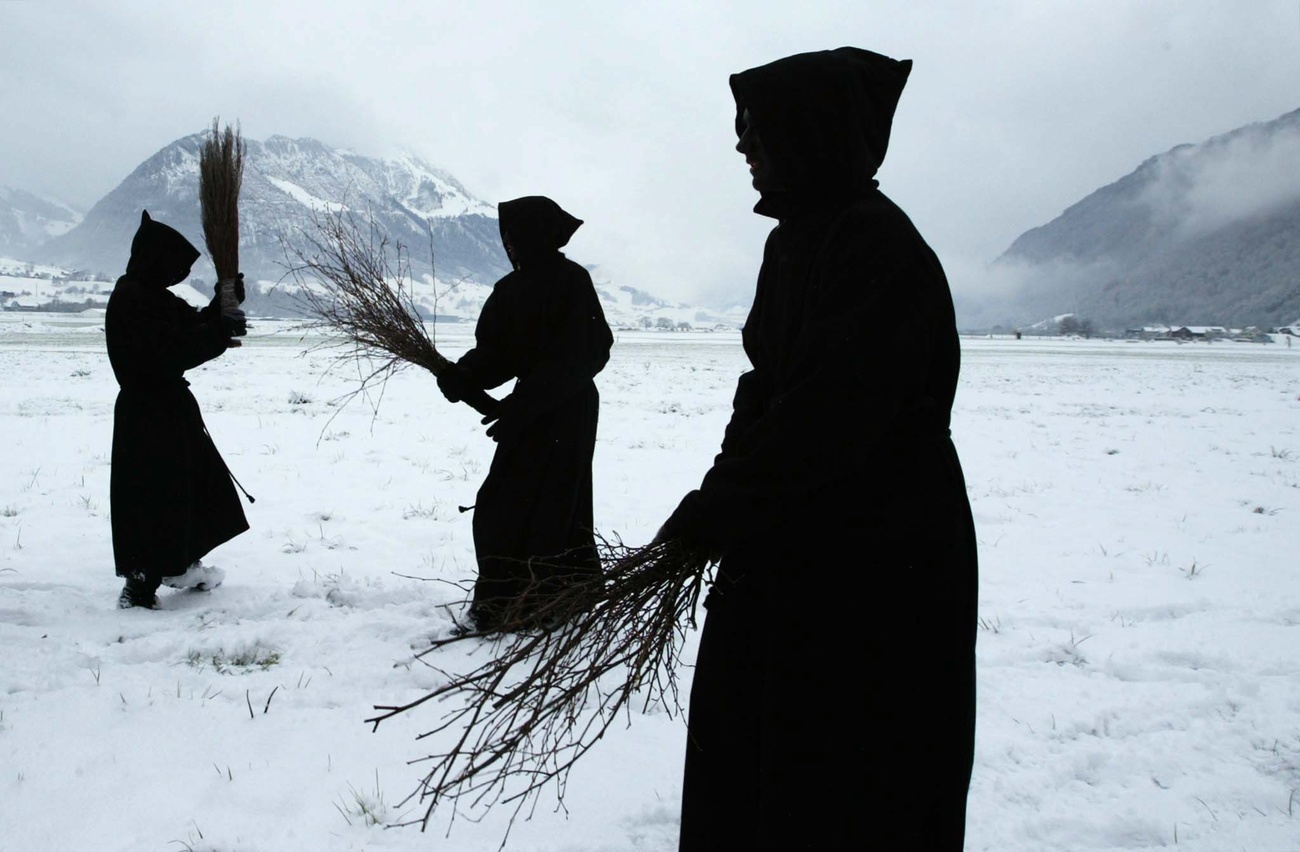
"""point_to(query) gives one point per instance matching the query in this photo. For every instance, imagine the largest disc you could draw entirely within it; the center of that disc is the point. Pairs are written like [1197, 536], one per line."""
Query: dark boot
[138, 592]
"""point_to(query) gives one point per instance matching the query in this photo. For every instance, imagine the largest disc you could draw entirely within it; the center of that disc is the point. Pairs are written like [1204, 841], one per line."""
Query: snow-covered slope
[27, 220]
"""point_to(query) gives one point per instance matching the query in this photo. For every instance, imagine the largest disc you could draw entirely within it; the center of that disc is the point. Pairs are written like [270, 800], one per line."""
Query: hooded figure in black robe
[544, 327]
[171, 495]
[833, 701]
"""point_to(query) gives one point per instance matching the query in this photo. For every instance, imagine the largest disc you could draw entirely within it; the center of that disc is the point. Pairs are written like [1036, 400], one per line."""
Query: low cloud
[1235, 177]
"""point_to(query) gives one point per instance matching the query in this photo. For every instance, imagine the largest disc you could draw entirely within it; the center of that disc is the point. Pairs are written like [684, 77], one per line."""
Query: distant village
[1250, 334]
[76, 291]
[1071, 326]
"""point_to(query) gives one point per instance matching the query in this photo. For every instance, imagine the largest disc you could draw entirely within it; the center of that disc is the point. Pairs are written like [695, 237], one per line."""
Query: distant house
[1149, 332]
[1199, 332]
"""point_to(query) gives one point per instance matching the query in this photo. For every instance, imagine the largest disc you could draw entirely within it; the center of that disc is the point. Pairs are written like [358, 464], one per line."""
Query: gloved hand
[505, 419]
[455, 383]
[233, 323]
[685, 526]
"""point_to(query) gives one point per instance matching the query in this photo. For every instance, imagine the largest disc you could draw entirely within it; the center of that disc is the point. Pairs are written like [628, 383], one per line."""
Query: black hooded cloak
[833, 701]
[171, 495]
[544, 327]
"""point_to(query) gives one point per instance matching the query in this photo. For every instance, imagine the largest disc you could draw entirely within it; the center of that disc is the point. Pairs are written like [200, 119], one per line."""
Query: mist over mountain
[1205, 234]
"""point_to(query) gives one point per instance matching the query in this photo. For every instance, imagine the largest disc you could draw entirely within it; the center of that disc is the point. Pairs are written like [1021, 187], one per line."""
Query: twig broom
[364, 301]
[582, 659]
[221, 172]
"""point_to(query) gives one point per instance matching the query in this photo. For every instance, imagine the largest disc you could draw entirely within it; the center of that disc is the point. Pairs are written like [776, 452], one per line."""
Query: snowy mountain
[288, 182]
[289, 186]
[1202, 234]
[27, 220]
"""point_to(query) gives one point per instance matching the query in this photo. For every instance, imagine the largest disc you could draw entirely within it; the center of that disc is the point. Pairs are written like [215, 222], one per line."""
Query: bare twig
[559, 677]
[357, 286]
[268, 701]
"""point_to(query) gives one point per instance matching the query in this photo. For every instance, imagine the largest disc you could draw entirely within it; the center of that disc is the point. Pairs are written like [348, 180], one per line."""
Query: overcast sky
[621, 112]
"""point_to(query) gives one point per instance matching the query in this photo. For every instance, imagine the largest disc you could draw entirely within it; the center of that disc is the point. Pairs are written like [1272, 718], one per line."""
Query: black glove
[233, 323]
[686, 527]
[505, 419]
[454, 382]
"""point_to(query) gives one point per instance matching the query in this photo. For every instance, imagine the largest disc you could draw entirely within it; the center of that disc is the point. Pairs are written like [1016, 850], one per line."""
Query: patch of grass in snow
[8, 512]
[367, 808]
[419, 510]
[296, 545]
[1142, 487]
[468, 468]
[241, 661]
[1067, 653]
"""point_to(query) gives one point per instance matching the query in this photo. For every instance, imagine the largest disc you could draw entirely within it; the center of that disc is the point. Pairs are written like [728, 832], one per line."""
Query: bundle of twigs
[221, 172]
[559, 677]
[364, 301]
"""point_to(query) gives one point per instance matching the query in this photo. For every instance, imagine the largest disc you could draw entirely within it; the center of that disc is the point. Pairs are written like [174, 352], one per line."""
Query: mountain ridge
[1204, 233]
[449, 239]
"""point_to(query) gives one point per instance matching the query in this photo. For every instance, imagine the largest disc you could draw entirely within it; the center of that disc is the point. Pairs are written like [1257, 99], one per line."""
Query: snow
[12, 266]
[305, 198]
[455, 200]
[1138, 510]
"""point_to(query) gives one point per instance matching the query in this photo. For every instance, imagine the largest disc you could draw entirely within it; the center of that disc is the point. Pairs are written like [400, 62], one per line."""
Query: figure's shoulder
[128, 289]
[876, 210]
[126, 284]
[574, 270]
[877, 222]
[505, 284]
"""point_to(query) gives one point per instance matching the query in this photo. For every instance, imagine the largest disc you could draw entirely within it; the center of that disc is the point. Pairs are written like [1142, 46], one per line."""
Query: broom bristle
[221, 171]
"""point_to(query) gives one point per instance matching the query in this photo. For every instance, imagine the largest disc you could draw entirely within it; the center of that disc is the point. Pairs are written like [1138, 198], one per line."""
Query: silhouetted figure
[171, 495]
[833, 703]
[544, 327]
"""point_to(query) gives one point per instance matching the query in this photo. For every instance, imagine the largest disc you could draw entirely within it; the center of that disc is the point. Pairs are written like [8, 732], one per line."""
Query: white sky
[622, 113]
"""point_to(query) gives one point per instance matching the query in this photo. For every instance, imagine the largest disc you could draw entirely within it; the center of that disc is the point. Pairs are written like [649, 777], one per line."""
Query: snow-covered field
[1138, 508]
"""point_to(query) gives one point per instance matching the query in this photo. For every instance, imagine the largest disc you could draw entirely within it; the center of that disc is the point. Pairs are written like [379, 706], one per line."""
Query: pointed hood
[824, 117]
[535, 227]
[160, 256]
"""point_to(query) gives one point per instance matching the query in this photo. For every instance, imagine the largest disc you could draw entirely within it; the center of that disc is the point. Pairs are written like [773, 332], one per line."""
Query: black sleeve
[746, 408]
[487, 365]
[165, 332]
